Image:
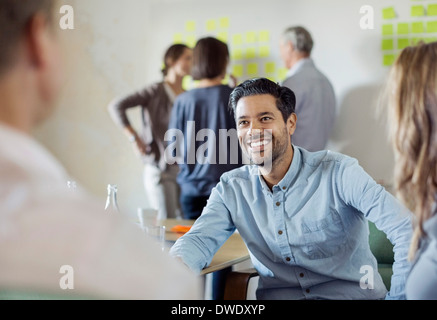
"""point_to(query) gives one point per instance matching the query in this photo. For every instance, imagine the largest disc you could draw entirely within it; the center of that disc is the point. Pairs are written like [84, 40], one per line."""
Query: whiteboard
[350, 56]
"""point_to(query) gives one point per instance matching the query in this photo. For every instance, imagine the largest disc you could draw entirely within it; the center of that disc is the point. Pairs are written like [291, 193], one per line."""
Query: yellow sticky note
[282, 73]
[191, 41]
[270, 67]
[387, 44]
[432, 10]
[178, 38]
[237, 70]
[403, 28]
[388, 13]
[223, 36]
[237, 54]
[187, 83]
[264, 51]
[389, 59]
[211, 25]
[252, 69]
[403, 43]
[387, 30]
[190, 26]
[431, 26]
[251, 37]
[417, 27]
[264, 36]
[417, 11]
[237, 40]
[250, 53]
[224, 22]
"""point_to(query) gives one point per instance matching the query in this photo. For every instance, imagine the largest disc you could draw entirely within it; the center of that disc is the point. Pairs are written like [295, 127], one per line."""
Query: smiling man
[302, 215]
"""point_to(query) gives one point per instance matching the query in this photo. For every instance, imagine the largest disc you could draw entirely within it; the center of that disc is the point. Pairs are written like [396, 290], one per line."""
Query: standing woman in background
[205, 107]
[412, 90]
[156, 102]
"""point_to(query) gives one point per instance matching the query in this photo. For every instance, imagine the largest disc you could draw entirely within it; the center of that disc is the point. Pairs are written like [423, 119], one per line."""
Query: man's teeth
[259, 144]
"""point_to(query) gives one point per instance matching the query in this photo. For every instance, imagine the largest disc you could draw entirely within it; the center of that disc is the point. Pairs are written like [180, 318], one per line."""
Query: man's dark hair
[14, 19]
[285, 98]
[210, 58]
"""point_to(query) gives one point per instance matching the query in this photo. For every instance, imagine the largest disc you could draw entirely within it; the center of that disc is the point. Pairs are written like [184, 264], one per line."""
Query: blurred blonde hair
[412, 118]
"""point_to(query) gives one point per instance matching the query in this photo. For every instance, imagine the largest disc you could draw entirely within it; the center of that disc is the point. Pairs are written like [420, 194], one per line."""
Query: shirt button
[301, 275]
[278, 204]
[284, 188]
[280, 232]
[288, 259]
[307, 290]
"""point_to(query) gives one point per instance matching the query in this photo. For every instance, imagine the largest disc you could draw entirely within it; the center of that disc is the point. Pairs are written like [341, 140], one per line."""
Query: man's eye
[266, 119]
[243, 123]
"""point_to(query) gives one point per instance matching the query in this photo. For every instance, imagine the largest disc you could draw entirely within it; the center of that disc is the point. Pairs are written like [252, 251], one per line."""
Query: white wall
[117, 47]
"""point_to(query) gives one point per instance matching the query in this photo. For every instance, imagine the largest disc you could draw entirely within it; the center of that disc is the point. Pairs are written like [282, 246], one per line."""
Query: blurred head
[412, 116]
[265, 116]
[296, 42]
[178, 57]
[211, 58]
[30, 52]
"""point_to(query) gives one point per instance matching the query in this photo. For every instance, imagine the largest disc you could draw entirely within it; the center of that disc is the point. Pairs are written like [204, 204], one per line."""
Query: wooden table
[232, 252]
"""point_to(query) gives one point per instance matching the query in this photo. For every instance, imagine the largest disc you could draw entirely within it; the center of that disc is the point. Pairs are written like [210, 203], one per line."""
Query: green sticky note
[224, 22]
[403, 28]
[178, 38]
[190, 26]
[403, 43]
[252, 69]
[387, 44]
[237, 70]
[187, 83]
[282, 73]
[388, 13]
[223, 36]
[237, 54]
[264, 36]
[429, 40]
[416, 41]
[417, 27]
[251, 37]
[417, 11]
[270, 67]
[432, 10]
[387, 29]
[211, 25]
[389, 59]
[264, 51]
[431, 26]
[250, 53]
[237, 39]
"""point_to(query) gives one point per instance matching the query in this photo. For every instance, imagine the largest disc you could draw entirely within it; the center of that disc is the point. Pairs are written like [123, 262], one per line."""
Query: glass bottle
[111, 200]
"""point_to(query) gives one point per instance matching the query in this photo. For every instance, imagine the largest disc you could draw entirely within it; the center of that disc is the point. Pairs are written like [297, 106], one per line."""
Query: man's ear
[291, 123]
[37, 41]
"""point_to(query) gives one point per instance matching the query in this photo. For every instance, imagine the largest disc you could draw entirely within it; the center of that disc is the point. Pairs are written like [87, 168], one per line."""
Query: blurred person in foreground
[43, 225]
[412, 92]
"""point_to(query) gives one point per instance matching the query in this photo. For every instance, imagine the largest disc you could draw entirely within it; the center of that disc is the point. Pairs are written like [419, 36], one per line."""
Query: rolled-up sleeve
[208, 234]
[117, 107]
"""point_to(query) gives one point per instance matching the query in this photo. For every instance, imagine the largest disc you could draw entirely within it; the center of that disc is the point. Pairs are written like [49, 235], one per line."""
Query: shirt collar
[290, 176]
[298, 65]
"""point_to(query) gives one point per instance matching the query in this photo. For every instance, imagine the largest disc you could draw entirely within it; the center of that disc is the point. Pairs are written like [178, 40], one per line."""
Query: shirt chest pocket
[323, 238]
